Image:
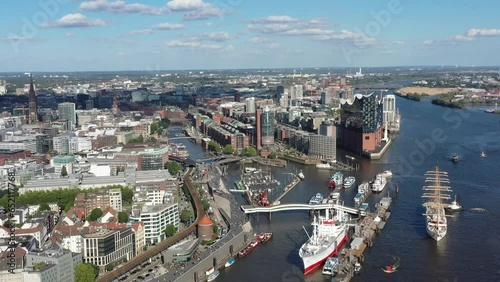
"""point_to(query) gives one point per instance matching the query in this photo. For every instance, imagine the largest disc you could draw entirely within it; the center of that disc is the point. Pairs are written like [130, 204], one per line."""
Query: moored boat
[212, 276]
[316, 199]
[323, 166]
[267, 237]
[301, 175]
[379, 183]
[336, 180]
[229, 262]
[349, 181]
[210, 271]
[331, 266]
[329, 235]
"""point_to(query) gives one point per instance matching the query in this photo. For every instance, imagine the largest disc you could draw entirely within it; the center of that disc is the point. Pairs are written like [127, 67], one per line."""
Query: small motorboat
[357, 268]
[229, 262]
[455, 205]
[390, 269]
[213, 275]
[483, 155]
[455, 158]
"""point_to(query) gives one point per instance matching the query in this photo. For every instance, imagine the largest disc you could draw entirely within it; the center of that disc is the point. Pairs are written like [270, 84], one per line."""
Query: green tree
[214, 146]
[228, 149]
[172, 167]
[127, 194]
[272, 155]
[186, 215]
[170, 230]
[95, 214]
[206, 204]
[249, 151]
[154, 127]
[122, 217]
[64, 171]
[186, 193]
[44, 207]
[84, 272]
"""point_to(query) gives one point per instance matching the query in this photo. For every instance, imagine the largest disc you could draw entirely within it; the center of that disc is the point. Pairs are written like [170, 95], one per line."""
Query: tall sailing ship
[435, 192]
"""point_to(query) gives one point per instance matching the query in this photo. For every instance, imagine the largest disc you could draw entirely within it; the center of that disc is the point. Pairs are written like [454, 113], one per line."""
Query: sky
[107, 35]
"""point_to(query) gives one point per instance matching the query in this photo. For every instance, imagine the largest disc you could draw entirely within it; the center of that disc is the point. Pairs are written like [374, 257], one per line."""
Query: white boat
[357, 268]
[209, 271]
[386, 173]
[334, 195]
[329, 235]
[336, 180]
[212, 276]
[229, 262]
[323, 166]
[331, 266]
[363, 187]
[436, 192]
[301, 175]
[483, 155]
[358, 198]
[316, 199]
[250, 169]
[379, 183]
[349, 181]
[454, 206]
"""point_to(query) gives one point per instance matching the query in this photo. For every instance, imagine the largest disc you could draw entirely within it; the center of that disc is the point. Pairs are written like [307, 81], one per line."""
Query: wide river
[429, 135]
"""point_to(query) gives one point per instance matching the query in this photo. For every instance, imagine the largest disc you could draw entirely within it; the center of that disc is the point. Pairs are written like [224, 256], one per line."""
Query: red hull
[314, 266]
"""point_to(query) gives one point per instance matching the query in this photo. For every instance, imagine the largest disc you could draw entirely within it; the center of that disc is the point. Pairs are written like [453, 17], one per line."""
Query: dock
[289, 188]
[364, 234]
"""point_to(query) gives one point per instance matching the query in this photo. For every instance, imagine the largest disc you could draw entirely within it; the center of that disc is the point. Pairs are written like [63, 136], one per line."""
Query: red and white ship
[329, 234]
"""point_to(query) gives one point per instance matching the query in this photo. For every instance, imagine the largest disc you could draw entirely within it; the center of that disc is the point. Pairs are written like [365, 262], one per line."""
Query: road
[142, 258]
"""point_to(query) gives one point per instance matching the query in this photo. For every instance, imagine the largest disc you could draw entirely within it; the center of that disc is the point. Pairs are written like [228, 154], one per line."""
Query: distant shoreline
[423, 90]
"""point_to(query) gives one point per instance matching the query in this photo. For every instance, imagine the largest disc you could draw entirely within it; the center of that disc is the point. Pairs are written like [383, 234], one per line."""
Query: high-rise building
[67, 112]
[296, 92]
[267, 127]
[258, 126]
[237, 96]
[326, 98]
[389, 108]
[250, 105]
[33, 113]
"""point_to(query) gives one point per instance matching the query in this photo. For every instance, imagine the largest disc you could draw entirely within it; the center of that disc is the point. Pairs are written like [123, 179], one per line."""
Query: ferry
[349, 181]
[331, 266]
[212, 276]
[229, 262]
[316, 199]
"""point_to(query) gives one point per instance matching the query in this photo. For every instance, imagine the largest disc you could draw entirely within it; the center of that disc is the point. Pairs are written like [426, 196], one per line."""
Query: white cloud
[168, 26]
[399, 42]
[140, 32]
[270, 28]
[14, 37]
[187, 5]
[474, 32]
[216, 36]
[73, 21]
[198, 45]
[275, 19]
[120, 7]
[204, 13]
[428, 42]
[69, 34]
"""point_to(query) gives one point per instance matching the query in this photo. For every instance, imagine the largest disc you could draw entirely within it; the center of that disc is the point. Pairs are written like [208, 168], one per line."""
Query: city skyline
[105, 35]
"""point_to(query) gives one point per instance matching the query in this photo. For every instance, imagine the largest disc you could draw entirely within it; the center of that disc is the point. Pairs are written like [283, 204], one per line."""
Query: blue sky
[76, 35]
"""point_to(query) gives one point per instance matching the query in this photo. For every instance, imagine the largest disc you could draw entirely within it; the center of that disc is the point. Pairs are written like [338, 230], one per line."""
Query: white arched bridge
[295, 207]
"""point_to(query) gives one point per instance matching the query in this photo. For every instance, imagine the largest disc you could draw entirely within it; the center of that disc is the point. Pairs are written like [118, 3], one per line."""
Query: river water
[429, 135]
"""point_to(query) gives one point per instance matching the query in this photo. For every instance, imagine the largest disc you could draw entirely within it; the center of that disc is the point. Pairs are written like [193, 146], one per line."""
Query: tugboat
[454, 206]
[455, 158]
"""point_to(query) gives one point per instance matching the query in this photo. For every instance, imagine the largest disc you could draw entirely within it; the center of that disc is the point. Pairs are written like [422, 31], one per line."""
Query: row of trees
[249, 151]
[158, 127]
[86, 272]
[65, 198]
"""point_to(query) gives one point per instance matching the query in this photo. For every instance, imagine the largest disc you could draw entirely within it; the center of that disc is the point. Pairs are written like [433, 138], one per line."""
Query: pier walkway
[296, 206]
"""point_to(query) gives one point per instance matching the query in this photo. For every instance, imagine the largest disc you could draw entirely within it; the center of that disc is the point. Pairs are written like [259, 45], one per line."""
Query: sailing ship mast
[437, 191]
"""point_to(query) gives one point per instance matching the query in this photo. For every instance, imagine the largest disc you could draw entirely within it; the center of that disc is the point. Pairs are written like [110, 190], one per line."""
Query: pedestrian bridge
[295, 207]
